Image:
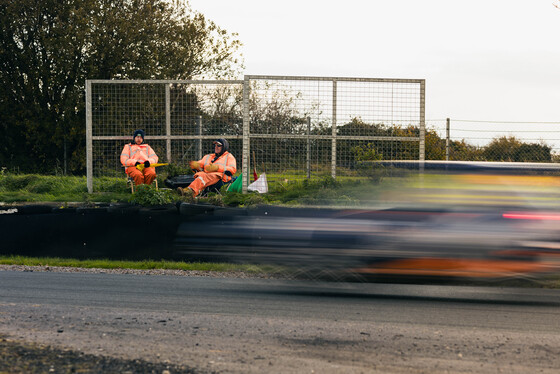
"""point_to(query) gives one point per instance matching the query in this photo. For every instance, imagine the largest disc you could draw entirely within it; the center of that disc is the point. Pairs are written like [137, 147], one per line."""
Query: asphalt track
[256, 325]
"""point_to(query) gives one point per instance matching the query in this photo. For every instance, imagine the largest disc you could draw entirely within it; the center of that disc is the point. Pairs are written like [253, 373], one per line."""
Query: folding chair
[216, 187]
[130, 183]
[182, 182]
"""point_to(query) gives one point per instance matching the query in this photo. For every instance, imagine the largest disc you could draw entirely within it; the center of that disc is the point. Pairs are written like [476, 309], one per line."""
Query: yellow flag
[141, 166]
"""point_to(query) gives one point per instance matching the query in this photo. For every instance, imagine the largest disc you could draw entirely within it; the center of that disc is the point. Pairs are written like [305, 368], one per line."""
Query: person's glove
[195, 165]
[211, 168]
[146, 164]
[137, 163]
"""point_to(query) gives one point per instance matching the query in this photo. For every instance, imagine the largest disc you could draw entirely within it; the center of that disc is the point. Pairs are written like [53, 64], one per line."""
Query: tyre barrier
[114, 231]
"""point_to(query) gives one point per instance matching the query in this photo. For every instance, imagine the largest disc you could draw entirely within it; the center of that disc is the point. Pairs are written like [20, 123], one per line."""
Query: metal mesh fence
[180, 119]
[309, 126]
[288, 127]
[468, 140]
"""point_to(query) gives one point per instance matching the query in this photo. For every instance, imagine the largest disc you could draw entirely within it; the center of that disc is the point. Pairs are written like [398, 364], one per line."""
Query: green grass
[139, 265]
[550, 281]
[51, 188]
[348, 191]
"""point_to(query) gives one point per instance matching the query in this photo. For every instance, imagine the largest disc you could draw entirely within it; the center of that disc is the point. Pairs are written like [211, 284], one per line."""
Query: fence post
[89, 140]
[308, 148]
[447, 140]
[422, 155]
[333, 147]
[246, 128]
[168, 121]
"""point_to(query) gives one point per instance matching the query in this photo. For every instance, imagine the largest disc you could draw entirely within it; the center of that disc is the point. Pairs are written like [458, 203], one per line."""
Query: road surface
[231, 325]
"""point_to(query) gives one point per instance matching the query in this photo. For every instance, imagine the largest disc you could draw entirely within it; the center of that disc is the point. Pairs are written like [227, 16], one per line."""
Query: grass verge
[548, 281]
[29, 188]
[137, 265]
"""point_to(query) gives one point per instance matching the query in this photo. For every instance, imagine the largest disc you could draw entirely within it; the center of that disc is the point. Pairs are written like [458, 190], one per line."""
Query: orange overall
[203, 179]
[133, 153]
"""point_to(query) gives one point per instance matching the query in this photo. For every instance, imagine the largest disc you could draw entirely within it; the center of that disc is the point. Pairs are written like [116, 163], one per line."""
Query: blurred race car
[376, 244]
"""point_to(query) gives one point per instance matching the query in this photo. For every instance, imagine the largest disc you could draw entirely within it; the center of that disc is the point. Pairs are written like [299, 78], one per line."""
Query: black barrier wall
[118, 232]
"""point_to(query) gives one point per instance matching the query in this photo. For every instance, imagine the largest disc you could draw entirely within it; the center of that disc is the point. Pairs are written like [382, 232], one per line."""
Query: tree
[435, 146]
[511, 149]
[460, 150]
[48, 48]
[533, 152]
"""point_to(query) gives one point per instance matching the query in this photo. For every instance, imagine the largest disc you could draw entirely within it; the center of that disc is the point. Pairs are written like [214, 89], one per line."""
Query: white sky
[496, 60]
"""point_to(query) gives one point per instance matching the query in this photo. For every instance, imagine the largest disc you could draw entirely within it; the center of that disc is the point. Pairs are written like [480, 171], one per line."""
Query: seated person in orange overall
[137, 153]
[212, 168]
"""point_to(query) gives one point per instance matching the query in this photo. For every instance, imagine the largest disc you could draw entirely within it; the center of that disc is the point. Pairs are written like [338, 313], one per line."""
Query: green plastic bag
[237, 185]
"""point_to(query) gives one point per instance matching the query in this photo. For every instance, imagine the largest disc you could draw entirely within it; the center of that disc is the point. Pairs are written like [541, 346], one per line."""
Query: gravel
[184, 273]
[21, 357]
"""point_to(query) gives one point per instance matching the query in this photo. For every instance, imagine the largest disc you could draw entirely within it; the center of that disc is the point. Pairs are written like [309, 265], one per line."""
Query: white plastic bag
[260, 185]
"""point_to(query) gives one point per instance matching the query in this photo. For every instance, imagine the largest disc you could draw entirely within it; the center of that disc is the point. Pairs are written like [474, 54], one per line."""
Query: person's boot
[191, 191]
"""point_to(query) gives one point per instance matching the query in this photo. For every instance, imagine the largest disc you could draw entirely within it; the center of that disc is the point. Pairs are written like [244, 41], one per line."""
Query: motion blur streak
[404, 236]
[449, 267]
[550, 217]
[375, 243]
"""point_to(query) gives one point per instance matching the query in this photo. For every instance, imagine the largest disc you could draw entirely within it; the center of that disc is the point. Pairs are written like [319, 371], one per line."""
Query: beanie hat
[139, 132]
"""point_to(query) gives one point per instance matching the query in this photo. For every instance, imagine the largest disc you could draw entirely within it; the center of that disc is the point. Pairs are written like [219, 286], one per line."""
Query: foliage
[141, 265]
[38, 184]
[459, 150]
[390, 150]
[435, 146]
[215, 199]
[12, 182]
[174, 170]
[533, 152]
[366, 153]
[34, 187]
[254, 199]
[326, 191]
[49, 48]
[148, 195]
[511, 149]
[110, 184]
[233, 199]
[250, 199]
[462, 151]
[504, 148]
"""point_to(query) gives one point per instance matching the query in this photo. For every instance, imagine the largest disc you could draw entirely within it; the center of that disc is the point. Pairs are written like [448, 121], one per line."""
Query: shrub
[511, 149]
[533, 153]
[366, 153]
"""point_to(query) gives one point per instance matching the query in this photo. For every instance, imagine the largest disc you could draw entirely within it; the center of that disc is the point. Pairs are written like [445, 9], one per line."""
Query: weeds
[148, 195]
[215, 199]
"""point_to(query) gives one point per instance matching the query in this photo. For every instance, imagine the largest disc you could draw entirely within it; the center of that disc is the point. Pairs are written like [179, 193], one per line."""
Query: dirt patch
[21, 357]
